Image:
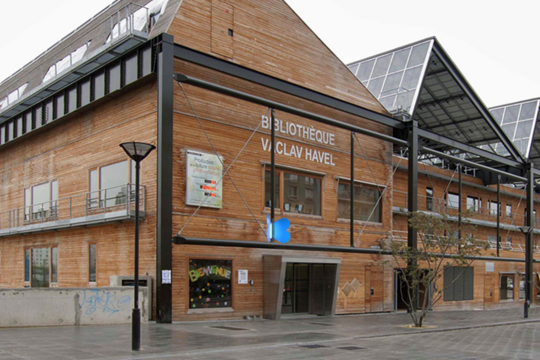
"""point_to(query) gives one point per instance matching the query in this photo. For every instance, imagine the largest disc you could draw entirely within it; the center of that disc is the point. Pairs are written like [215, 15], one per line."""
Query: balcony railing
[441, 206]
[112, 204]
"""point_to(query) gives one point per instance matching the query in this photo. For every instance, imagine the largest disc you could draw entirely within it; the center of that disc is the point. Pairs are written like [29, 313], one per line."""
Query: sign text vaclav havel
[302, 132]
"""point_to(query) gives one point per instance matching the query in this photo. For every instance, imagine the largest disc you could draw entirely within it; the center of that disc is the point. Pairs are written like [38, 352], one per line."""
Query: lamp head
[137, 151]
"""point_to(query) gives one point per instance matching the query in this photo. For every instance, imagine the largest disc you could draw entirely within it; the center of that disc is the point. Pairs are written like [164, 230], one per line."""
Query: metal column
[412, 205]
[352, 190]
[272, 172]
[460, 205]
[529, 240]
[165, 73]
[498, 215]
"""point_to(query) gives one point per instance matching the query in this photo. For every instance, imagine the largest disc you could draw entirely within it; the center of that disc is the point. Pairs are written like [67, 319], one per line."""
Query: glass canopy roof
[420, 82]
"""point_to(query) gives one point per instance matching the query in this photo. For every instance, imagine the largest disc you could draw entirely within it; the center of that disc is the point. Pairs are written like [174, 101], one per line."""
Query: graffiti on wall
[103, 301]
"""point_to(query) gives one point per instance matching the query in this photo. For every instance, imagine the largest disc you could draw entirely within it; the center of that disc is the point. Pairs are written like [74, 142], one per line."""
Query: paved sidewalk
[496, 334]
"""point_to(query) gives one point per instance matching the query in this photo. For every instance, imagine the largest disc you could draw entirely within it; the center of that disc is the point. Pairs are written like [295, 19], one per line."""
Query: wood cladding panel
[269, 37]
[222, 28]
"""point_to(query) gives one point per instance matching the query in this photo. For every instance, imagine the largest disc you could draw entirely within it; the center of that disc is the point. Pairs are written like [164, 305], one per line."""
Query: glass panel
[92, 263]
[353, 68]
[54, 265]
[94, 194]
[60, 106]
[72, 99]
[268, 189]
[146, 61]
[400, 59]
[302, 194]
[510, 130]
[114, 78]
[113, 183]
[472, 203]
[410, 80]
[388, 102]
[131, 69]
[40, 201]
[48, 112]
[497, 114]
[375, 86]
[366, 205]
[27, 265]
[508, 210]
[210, 283]
[511, 114]
[99, 85]
[507, 287]
[364, 73]
[528, 110]
[85, 92]
[453, 200]
[429, 199]
[418, 54]
[392, 82]
[523, 129]
[27, 203]
[381, 66]
[522, 287]
[40, 267]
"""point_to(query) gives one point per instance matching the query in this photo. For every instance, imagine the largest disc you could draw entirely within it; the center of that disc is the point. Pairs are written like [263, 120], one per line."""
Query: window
[301, 193]
[109, 184]
[508, 210]
[492, 239]
[210, 283]
[41, 266]
[493, 208]
[367, 206]
[473, 203]
[429, 199]
[521, 287]
[452, 200]
[458, 283]
[92, 262]
[507, 287]
[41, 201]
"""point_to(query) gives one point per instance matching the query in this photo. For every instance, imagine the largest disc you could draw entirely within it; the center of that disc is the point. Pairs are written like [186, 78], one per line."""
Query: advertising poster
[202, 176]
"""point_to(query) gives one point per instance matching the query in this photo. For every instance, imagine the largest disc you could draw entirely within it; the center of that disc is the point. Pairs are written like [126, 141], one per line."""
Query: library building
[280, 179]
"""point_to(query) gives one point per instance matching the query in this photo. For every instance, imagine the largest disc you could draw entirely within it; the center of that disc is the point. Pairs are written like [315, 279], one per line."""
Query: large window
[210, 283]
[41, 266]
[458, 283]
[507, 287]
[452, 200]
[473, 203]
[41, 201]
[367, 202]
[429, 199]
[493, 208]
[509, 210]
[521, 287]
[294, 192]
[109, 184]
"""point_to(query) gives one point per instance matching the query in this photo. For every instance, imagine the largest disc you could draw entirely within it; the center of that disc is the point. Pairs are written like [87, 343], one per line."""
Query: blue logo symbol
[281, 232]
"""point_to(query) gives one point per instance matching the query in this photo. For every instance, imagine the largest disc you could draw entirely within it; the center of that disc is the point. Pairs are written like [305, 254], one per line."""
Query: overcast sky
[495, 45]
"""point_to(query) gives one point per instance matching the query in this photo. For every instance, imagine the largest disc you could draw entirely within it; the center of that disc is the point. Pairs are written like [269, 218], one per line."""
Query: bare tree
[422, 269]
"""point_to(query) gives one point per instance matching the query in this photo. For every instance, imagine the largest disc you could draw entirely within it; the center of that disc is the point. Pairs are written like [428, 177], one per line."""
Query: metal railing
[56, 61]
[119, 198]
[442, 206]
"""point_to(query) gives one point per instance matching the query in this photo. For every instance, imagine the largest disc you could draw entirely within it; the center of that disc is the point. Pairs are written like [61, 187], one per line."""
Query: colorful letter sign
[203, 185]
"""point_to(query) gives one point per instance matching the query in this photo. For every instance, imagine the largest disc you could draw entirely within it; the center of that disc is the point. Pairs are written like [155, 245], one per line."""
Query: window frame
[282, 207]
[51, 212]
[510, 276]
[359, 183]
[233, 284]
[98, 203]
[50, 247]
[476, 203]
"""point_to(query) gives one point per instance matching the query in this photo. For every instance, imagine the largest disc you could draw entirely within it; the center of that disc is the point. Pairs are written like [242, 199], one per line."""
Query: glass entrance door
[296, 289]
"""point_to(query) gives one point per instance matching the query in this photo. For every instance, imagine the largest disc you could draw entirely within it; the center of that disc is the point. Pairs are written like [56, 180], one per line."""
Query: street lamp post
[137, 152]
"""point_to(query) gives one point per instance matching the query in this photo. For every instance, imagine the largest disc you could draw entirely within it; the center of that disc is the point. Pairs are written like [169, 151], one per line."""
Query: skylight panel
[13, 96]
[65, 63]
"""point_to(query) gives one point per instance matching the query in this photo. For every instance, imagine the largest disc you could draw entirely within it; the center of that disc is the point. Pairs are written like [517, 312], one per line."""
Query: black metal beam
[289, 109]
[528, 230]
[456, 75]
[164, 176]
[460, 205]
[472, 164]
[178, 240]
[498, 215]
[351, 192]
[468, 148]
[412, 182]
[229, 68]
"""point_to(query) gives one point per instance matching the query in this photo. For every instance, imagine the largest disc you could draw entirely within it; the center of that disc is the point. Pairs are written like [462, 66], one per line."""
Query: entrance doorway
[308, 288]
[400, 293]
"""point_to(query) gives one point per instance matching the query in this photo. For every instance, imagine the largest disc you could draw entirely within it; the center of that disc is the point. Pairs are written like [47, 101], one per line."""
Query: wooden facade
[267, 37]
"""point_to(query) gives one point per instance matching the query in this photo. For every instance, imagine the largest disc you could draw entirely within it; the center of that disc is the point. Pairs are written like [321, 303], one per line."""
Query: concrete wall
[70, 306]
